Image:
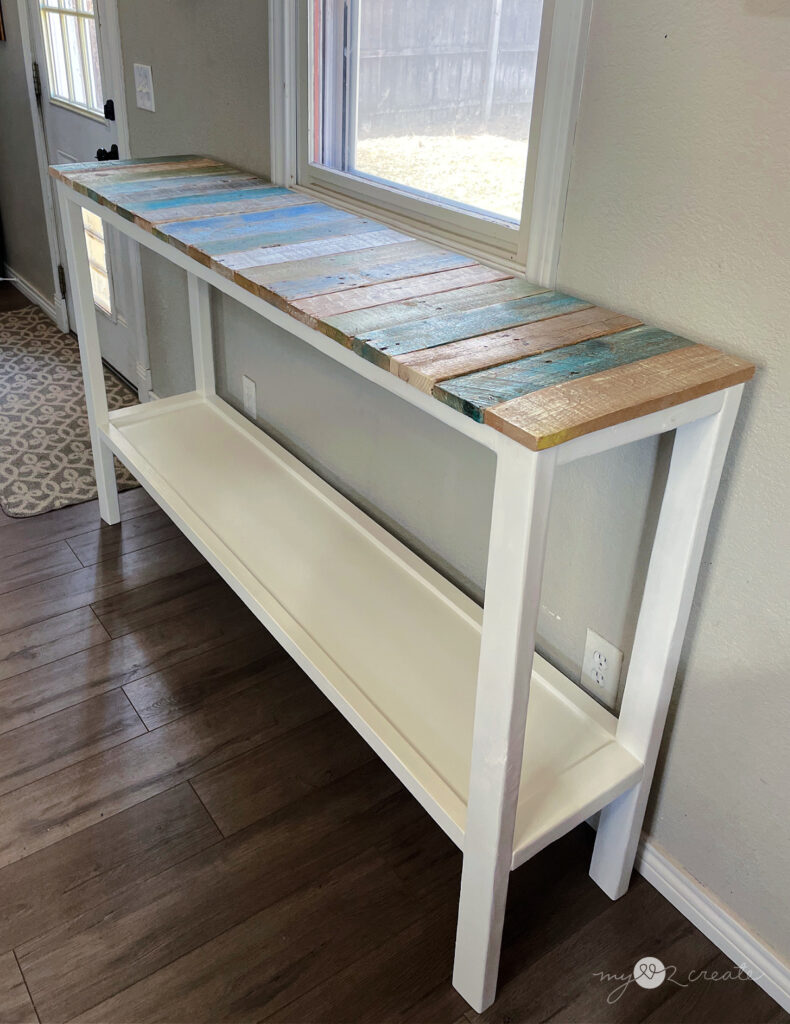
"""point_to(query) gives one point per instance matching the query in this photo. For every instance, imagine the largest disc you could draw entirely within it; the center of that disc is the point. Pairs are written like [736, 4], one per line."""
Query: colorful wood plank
[369, 325]
[540, 366]
[358, 269]
[252, 200]
[475, 392]
[224, 234]
[479, 318]
[558, 414]
[189, 202]
[299, 229]
[132, 172]
[434, 281]
[428, 366]
[262, 256]
[192, 185]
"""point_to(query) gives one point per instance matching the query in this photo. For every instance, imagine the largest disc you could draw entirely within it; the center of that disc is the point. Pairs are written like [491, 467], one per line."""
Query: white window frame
[531, 247]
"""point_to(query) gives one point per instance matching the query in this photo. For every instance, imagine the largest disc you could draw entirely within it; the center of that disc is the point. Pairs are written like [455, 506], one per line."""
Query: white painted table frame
[521, 508]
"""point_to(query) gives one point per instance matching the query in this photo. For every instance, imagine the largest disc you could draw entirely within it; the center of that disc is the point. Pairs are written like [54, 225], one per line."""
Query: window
[97, 260]
[70, 37]
[423, 109]
[449, 119]
[433, 97]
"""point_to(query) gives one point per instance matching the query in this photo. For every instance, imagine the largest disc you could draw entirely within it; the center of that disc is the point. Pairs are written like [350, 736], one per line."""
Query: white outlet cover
[144, 87]
[601, 669]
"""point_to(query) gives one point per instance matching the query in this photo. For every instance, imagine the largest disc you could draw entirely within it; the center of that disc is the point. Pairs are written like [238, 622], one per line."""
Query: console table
[504, 752]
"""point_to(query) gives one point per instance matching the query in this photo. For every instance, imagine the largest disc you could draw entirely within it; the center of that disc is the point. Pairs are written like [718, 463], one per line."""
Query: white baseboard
[54, 308]
[715, 920]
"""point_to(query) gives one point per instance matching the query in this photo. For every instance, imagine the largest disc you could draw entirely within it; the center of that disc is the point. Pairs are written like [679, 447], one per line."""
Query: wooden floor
[11, 298]
[189, 832]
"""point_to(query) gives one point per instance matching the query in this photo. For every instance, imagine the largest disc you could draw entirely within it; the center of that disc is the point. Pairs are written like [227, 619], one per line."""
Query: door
[69, 38]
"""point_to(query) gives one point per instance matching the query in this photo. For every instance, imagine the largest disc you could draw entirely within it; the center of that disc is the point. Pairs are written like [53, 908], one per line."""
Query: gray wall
[677, 212]
[21, 204]
[211, 86]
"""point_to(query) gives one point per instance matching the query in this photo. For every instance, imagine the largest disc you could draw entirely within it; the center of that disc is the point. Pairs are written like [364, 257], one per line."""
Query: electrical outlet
[144, 87]
[250, 399]
[601, 669]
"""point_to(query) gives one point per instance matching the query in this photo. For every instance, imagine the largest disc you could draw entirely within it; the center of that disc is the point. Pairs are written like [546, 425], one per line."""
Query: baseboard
[715, 921]
[144, 383]
[49, 306]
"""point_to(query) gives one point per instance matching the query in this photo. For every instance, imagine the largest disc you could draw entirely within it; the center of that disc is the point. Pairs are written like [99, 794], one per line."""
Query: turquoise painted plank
[360, 259]
[182, 214]
[431, 263]
[183, 185]
[346, 225]
[237, 227]
[242, 194]
[252, 261]
[217, 186]
[362, 323]
[440, 330]
[476, 392]
[143, 176]
[98, 165]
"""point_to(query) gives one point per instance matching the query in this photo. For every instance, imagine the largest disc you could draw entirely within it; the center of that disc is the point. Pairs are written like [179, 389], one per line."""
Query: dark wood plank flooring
[10, 297]
[190, 832]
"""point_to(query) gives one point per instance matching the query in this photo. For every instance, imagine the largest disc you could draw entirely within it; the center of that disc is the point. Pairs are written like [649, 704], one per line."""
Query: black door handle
[108, 154]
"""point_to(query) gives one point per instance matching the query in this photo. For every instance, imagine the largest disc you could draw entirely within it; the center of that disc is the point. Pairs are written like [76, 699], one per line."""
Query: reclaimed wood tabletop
[538, 365]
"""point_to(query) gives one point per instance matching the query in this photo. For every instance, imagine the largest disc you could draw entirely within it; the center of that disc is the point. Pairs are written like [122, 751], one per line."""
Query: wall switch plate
[250, 398]
[601, 669]
[144, 87]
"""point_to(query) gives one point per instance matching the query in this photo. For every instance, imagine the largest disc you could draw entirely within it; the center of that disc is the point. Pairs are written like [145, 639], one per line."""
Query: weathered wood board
[426, 367]
[540, 366]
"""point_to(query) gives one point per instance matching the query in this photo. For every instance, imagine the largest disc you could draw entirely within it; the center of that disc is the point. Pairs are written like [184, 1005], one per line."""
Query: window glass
[434, 96]
[70, 37]
[97, 260]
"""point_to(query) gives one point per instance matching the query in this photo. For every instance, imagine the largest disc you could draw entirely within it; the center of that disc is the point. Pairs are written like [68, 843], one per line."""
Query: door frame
[112, 62]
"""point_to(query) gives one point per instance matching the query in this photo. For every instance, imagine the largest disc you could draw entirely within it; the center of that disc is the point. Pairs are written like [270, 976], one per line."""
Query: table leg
[200, 325]
[90, 353]
[697, 460]
[522, 495]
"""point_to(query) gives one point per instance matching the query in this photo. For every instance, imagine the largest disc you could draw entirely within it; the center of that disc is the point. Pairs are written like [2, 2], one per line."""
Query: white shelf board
[391, 642]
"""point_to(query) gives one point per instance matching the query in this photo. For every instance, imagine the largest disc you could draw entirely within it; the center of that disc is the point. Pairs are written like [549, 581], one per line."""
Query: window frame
[533, 245]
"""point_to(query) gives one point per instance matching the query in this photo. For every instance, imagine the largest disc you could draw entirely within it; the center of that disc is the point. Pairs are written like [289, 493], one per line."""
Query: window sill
[457, 240]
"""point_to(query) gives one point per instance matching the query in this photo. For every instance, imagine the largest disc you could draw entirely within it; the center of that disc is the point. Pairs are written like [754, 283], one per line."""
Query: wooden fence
[439, 66]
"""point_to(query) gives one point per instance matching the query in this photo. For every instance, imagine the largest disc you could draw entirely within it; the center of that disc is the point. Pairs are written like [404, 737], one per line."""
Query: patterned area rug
[45, 451]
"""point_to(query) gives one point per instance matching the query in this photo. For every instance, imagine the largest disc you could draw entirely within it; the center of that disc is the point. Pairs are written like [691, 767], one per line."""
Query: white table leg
[200, 324]
[92, 369]
[697, 460]
[522, 495]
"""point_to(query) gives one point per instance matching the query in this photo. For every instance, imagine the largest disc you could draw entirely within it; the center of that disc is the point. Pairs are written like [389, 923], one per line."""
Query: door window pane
[71, 41]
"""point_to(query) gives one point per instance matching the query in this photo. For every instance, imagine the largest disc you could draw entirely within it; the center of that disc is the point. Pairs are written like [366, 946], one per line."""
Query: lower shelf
[390, 641]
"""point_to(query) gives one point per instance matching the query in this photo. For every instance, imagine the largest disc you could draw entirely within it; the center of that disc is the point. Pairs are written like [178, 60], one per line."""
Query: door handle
[108, 154]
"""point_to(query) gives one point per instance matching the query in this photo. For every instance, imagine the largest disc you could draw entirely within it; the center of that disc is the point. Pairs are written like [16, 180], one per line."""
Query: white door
[69, 37]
